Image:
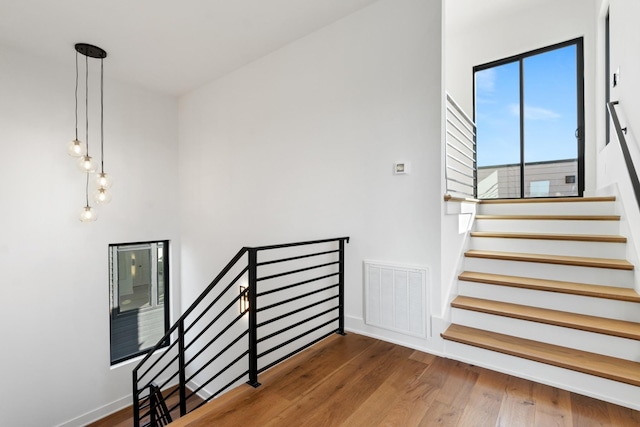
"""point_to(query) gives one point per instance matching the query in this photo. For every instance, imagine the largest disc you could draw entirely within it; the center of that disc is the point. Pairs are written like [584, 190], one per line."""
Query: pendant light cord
[76, 95]
[86, 190]
[102, 115]
[86, 99]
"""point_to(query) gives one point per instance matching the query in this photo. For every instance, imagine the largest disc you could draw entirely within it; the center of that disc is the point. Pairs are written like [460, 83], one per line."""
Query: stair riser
[573, 208]
[588, 385]
[548, 226]
[600, 307]
[588, 275]
[551, 247]
[622, 348]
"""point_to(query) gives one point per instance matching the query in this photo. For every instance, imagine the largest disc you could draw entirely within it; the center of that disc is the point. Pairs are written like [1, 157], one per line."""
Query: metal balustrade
[461, 173]
[267, 304]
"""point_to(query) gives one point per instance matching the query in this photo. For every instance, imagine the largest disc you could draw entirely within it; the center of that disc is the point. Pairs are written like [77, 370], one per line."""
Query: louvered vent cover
[396, 298]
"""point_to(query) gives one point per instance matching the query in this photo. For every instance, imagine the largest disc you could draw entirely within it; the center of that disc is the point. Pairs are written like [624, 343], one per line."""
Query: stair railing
[622, 139]
[461, 171]
[266, 305]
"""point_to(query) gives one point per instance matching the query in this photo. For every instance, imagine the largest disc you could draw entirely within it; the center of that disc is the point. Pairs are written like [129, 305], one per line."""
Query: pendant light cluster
[80, 150]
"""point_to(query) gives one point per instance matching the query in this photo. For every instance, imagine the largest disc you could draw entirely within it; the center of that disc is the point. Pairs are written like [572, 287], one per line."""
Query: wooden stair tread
[601, 325]
[543, 236]
[550, 200]
[608, 367]
[551, 217]
[617, 264]
[598, 291]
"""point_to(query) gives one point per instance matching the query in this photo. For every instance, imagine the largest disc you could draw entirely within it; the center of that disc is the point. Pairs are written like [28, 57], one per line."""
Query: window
[139, 297]
[607, 72]
[529, 115]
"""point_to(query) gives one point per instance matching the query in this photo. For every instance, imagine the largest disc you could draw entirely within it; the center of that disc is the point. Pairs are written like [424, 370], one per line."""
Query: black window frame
[114, 311]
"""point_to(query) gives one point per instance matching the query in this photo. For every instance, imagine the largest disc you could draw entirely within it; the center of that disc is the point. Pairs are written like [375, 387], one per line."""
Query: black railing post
[341, 289]
[253, 317]
[136, 400]
[153, 405]
[181, 369]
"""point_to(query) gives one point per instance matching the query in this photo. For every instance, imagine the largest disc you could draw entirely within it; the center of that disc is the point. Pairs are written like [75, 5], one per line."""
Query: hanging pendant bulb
[102, 196]
[76, 149]
[86, 164]
[88, 214]
[103, 180]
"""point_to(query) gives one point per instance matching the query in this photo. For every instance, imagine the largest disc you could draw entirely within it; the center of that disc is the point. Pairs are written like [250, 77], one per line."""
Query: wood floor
[360, 381]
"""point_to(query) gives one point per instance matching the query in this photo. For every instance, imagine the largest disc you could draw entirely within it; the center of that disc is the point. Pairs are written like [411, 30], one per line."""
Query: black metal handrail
[204, 350]
[622, 139]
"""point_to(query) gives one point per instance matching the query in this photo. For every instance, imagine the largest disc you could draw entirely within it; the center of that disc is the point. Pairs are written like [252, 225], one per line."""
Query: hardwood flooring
[360, 381]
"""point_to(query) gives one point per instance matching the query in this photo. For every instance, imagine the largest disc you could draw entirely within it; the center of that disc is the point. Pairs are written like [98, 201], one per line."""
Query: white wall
[516, 29]
[54, 298]
[300, 145]
[612, 171]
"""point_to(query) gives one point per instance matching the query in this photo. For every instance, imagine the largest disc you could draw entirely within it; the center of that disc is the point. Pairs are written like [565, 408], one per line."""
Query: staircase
[547, 294]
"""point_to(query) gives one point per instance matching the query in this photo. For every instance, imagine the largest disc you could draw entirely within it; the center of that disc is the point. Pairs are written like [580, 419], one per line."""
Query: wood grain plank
[485, 400]
[581, 361]
[401, 387]
[325, 406]
[613, 327]
[549, 200]
[599, 291]
[603, 238]
[518, 406]
[550, 217]
[553, 406]
[589, 412]
[420, 396]
[616, 264]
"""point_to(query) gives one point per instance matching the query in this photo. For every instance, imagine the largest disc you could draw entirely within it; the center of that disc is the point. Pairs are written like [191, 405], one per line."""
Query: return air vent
[396, 298]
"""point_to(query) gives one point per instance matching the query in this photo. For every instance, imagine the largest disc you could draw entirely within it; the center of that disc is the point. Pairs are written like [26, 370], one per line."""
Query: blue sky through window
[550, 111]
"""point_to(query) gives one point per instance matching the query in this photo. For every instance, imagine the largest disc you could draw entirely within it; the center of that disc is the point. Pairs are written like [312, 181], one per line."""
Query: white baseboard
[431, 346]
[99, 413]
[576, 382]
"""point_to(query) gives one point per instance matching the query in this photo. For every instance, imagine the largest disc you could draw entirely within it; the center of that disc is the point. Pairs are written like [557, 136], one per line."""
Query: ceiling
[462, 13]
[170, 46]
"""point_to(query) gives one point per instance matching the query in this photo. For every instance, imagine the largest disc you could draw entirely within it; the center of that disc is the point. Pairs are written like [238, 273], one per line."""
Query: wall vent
[396, 298]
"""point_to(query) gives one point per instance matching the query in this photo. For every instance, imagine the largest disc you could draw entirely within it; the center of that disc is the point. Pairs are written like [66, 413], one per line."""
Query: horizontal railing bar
[267, 307]
[220, 295]
[461, 120]
[222, 371]
[302, 322]
[464, 143]
[166, 352]
[453, 125]
[459, 109]
[214, 339]
[460, 172]
[290, 245]
[304, 282]
[297, 337]
[215, 319]
[291, 313]
[452, 190]
[168, 380]
[460, 182]
[208, 399]
[458, 161]
[299, 270]
[220, 353]
[174, 391]
[307, 345]
[296, 257]
[462, 152]
[202, 296]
